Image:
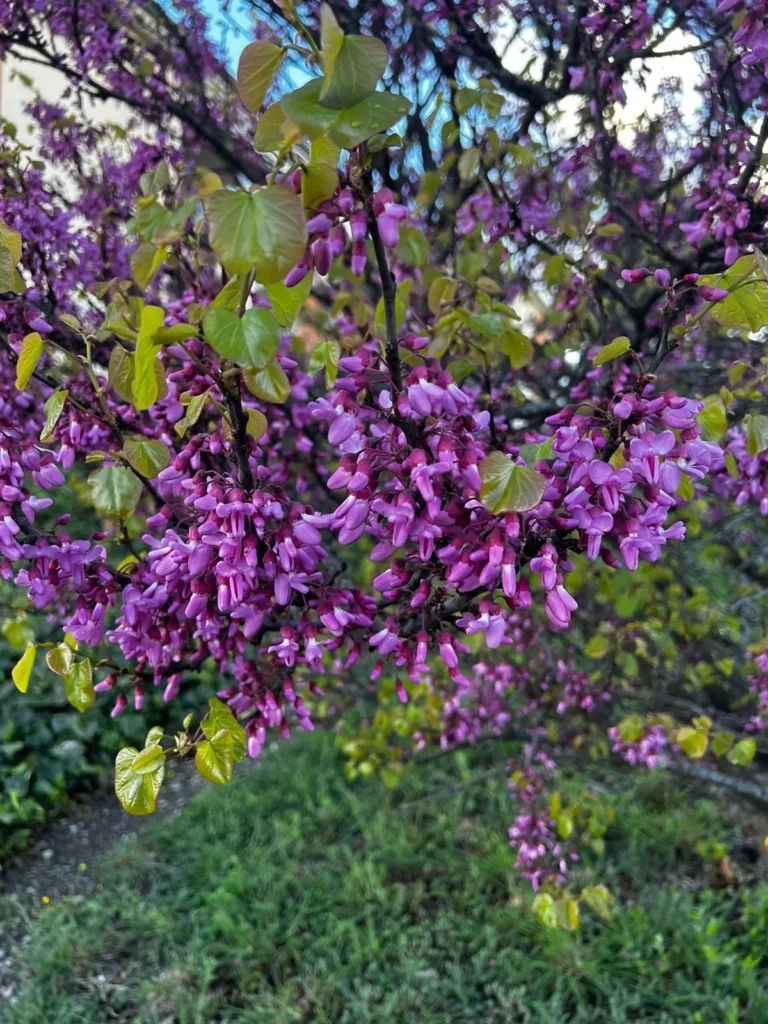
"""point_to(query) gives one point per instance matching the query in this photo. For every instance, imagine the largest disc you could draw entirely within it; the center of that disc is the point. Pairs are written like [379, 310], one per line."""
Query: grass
[291, 896]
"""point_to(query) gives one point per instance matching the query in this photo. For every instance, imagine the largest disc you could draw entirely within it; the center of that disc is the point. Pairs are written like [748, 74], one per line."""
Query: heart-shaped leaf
[137, 792]
[214, 757]
[269, 384]
[115, 491]
[507, 487]
[31, 349]
[145, 455]
[258, 66]
[251, 341]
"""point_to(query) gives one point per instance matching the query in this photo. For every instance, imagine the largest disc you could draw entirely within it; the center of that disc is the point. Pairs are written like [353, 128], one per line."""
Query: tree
[463, 322]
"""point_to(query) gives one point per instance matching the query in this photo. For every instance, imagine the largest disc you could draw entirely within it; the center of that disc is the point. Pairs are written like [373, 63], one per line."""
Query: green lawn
[291, 896]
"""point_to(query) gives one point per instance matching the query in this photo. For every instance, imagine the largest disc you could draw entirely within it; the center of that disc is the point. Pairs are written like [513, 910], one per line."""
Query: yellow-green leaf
[214, 757]
[258, 66]
[137, 793]
[287, 302]
[78, 686]
[352, 65]
[257, 424]
[743, 752]
[265, 229]
[220, 717]
[747, 304]
[517, 348]
[611, 351]
[757, 434]
[145, 386]
[149, 759]
[192, 415]
[251, 341]
[146, 261]
[325, 356]
[60, 659]
[269, 384]
[31, 349]
[712, 419]
[145, 455]
[53, 408]
[115, 491]
[692, 742]
[22, 670]
[507, 487]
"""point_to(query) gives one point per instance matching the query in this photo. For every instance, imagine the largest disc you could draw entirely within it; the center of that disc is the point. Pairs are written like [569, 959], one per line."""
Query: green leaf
[257, 425]
[567, 913]
[251, 341]
[325, 356]
[597, 647]
[229, 296]
[7, 269]
[631, 728]
[53, 408]
[742, 753]
[271, 130]
[11, 240]
[115, 491]
[377, 113]
[320, 178]
[517, 348]
[145, 386]
[149, 760]
[220, 717]
[177, 332]
[214, 757]
[120, 374]
[611, 351]
[137, 793]
[265, 228]
[154, 736]
[287, 303]
[712, 418]
[600, 899]
[747, 305]
[303, 108]
[507, 487]
[692, 742]
[192, 415]
[146, 261]
[413, 247]
[487, 324]
[78, 686]
[269, 384]
[31, 349]
[544, 908]
[60, 659]
[22, 670]
[757, 434]
[146, 456]
[259, 63]
[352, 65]
[71, 321]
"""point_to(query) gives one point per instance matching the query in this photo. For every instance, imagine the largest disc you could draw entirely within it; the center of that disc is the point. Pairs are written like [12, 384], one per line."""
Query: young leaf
[747, 304]
[145, 455]
[287, 302]
[22, 670]
[146, 261]
[375, 114]
[269, 384]
[413, 247]
[78, 686]
[145, 385]
[274, 130]
[192, 415]
[251, 341]
[303, 108]
[214, 757]
[53, 408]
[259, 63]
[743, 752]
[149, 760]
[11, 239]
[220, 717]
[60, 659]
[265, 229]
[320, 178]
[611, 351]
[136, 792]
[7, 269]
[115, 491]
[352, 65]
[712, 418]
[325, 356]
[757, 434]
[507, 487]
[257, 424]
[692, 742]
[517, 348]
[29, 356]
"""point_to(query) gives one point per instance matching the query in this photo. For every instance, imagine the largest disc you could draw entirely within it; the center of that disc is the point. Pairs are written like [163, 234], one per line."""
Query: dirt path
[57, 862]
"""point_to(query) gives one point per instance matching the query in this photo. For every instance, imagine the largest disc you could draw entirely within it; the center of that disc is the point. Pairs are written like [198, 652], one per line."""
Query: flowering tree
[467, 323]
